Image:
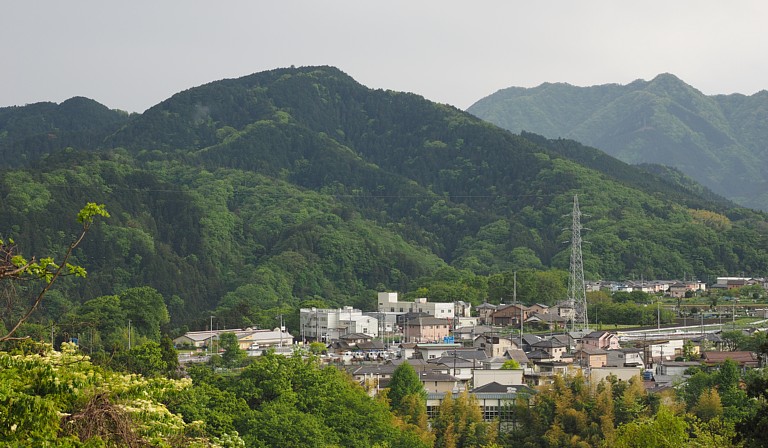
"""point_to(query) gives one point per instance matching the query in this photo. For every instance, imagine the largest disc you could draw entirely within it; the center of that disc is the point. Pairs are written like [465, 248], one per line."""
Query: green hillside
[27, 132]
[717, 140]
[247, 197]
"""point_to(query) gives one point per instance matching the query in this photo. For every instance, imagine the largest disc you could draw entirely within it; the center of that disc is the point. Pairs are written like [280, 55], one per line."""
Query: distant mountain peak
[717, 140]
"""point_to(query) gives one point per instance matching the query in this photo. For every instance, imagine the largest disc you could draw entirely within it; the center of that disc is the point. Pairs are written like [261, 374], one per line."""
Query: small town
[345, 224]
[486, 351]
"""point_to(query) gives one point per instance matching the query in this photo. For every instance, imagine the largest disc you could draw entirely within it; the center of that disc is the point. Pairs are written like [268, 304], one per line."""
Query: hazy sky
[131, 55]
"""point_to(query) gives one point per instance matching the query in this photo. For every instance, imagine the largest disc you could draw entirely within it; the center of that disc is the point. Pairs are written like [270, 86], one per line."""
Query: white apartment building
[389, 304]
[324, 324]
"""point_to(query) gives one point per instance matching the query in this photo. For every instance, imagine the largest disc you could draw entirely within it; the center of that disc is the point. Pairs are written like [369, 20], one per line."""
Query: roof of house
[503, 307]
[743, 358]
[546, 317]
[486, 305]
[373, 369]
[566, 339]
[198, 336]
[371, 345]
[263, 335]
[467, 353]
[355, 336]
[418, 364]
[340, 345]
[591, 351]
[429, 375]
[708, 337]
[548, 343]
[450, 361]
[492, 387]
[517, 355]
[472, 330]
[418, 321]
[598, 334]
[538, 355]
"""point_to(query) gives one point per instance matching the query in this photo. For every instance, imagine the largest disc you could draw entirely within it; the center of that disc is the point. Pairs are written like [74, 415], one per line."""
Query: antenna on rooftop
[577, 293]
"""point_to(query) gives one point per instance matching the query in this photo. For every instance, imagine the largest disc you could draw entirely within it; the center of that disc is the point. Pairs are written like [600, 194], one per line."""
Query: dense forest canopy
[246, 197]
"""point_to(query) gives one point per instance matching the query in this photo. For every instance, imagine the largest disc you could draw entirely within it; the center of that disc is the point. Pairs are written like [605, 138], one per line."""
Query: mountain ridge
[251, 195]
[716, 139]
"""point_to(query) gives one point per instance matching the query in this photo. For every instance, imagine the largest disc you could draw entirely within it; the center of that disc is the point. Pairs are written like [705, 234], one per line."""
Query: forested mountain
[27, 132]
[247, 197]
[717, 140]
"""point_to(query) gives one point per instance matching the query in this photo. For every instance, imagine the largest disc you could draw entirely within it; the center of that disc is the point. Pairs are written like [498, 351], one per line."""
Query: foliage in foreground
[59, 398]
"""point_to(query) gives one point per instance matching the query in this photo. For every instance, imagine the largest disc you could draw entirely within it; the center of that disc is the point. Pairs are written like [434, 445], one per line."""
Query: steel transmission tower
[577, 293]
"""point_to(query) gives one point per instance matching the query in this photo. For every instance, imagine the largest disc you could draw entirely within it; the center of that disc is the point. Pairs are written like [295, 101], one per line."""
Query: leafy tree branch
[15, 267]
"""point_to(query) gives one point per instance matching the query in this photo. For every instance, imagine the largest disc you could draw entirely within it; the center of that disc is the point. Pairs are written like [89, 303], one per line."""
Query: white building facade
[325, 324]
[389, 304]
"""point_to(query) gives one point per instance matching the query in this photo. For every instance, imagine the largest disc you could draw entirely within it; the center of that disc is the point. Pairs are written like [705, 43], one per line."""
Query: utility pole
[129, 334]
[658, 313]
[210, 345]
[281, 330]
[514, 291]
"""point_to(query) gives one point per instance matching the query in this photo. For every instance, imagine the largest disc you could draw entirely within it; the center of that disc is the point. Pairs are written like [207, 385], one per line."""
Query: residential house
[461, 368]
[467, 334]
[543, 372]
[548, 321]
[484, 312]
[601, 339]
[626, 357]
[429, 351]
[676, 368]
[462, 309]
[563, 309]
[352, 339]
[427, 329]
[407, 350]
[526, 341]
[540, 356]
[497, 362]
[566, 339]
[744, 359]
[493, 344]
[510, 314]
[551, 346]
[590, 357]
[538, 308]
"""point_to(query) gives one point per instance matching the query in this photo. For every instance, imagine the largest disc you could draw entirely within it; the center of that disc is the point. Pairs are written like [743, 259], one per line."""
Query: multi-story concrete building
[323, 324]
[388, 303]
